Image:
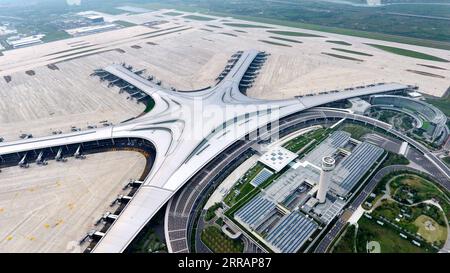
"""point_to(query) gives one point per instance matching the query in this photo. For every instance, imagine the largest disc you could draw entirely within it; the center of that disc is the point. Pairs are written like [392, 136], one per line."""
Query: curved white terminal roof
[188, 130]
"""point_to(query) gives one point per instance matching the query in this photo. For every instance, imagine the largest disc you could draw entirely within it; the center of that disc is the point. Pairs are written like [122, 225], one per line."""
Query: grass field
[338, 42]
[293, 33]
[442, 103]
[274, 43]
[286, 39]
[346, 242]
[447, 160]
[244, 25]
[198, 18]
[408, 53]
[388, 238]
[294, 145]
[243, 186]
[172, 13]
[435, 234]
[391, 210]
[342, 57]
[421, 188]
[375, 34]
[218, 242]
[357, 131]
[369, 231]
[211, 211]
[352, 52]
[124, 23]
[149, 105]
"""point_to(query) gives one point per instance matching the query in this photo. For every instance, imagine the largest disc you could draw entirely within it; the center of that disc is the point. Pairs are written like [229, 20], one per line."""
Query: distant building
[18, 41]
[91, 29]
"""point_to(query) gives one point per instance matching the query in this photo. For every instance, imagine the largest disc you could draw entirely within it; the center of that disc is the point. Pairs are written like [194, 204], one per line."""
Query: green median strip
[352, 52]
[245, 25]
[286, 39]
[294, 33]
[338, 42]
[198, 18]
[342, 57]
[274, 43]
[408, 53]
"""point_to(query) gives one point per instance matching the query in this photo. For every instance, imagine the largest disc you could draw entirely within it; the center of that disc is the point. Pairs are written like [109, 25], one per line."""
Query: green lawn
[388, 238]
[426, 125]
[338, 42]
[369, 230]
[295, 144]
[346, 242]
[356, 130]
[301, 25]
[293, 33]
[243, 186]
[124, 23]
[274, 43]
[422, 188]
[149, 106]
[352, 52]
[447, 160]
[218, 242]
[442, 103]
[286, 39]
[245, 25]
[211, 211]
[172, 13]
[342, 57]
[198, 18]
[408, 53]
[391, 210]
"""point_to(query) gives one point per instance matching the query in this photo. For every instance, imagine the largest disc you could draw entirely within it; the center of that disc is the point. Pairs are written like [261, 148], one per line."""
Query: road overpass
[187, 130]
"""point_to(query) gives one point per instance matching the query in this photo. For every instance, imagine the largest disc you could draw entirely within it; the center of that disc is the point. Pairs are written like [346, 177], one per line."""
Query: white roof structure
[414, 94]
[25, 41]
[188, 129]
[277, 158]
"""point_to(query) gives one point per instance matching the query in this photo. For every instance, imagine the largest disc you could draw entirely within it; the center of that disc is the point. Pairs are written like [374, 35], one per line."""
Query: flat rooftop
[277, 158]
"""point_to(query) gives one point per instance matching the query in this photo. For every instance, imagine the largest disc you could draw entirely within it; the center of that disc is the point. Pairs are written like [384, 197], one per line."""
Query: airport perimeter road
[337, 228]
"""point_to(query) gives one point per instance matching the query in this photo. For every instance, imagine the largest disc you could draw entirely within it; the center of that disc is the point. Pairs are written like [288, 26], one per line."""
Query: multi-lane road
[339, 225]
[181, 207]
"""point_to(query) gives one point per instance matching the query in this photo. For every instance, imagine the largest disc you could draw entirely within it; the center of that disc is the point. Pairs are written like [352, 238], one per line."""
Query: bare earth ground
[45, 209]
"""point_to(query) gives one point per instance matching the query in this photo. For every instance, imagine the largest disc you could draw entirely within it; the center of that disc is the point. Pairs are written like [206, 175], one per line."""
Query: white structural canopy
[188, 129]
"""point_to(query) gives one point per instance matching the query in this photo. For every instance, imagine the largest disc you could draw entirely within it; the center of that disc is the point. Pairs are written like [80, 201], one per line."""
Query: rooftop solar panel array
[291, 232]
[261, 177]
[255, 211]
[328, 147]
[353, 167]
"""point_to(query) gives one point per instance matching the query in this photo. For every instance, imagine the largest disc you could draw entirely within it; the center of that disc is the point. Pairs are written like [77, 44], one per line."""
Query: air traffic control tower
[328, 164]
